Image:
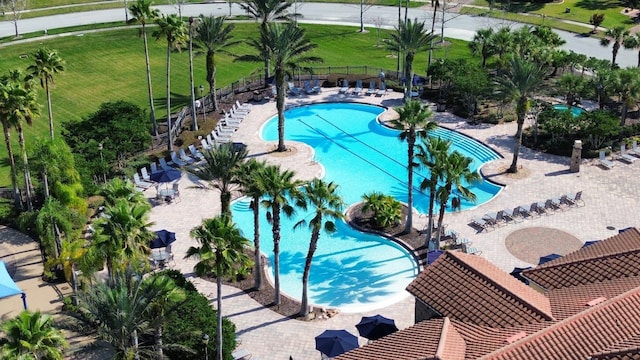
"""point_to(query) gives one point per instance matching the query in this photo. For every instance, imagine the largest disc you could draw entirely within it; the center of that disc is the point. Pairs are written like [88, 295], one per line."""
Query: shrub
[386, 210]
[187, 323]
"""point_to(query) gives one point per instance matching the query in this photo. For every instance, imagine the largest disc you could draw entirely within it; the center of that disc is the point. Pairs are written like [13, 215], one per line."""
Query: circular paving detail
[530, 244]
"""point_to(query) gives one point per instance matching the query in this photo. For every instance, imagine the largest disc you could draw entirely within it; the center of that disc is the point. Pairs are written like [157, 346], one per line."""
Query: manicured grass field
[581, 10]
[109, 65]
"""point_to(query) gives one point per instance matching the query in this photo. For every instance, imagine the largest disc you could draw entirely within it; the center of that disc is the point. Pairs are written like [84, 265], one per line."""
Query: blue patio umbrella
[517, 273]
[433, 255]
[335, 342]
[375, 327]
[166, 176]
[589, 243]
[547, 258]
[163, 239]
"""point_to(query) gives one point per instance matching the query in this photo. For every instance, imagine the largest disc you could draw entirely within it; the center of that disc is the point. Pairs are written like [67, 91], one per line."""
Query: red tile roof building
[466, 308]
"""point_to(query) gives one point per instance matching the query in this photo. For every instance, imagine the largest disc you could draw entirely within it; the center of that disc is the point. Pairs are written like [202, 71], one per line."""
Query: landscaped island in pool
[351, 270]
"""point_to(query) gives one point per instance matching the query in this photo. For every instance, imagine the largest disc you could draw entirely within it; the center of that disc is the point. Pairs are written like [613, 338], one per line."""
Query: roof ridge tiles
[618, 304]
[545, 312]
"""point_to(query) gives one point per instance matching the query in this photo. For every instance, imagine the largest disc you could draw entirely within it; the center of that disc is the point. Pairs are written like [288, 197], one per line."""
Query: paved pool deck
[609, 196]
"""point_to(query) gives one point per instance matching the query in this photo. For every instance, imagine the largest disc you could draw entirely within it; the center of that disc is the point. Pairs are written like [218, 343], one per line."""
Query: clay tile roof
[626, 350]
[592, 331]
[470, 289]
[427, 340]
[615, 257]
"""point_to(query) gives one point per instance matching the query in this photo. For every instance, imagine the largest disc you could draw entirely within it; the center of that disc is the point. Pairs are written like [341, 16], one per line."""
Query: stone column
[576, 156]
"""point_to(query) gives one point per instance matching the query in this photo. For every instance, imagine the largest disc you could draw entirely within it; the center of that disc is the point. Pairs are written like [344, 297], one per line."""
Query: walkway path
[609, 196]
[456, 26]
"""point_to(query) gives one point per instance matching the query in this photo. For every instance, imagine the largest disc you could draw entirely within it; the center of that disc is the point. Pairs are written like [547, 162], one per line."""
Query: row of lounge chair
[628, 156]
[519, 213]
[307, 88]
[220, 135]
[359, 90]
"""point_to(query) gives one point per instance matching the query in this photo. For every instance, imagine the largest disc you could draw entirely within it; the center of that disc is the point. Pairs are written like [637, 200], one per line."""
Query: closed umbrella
[335, 342]
[589, 243]
[375, 327]
[163, 239]
[547, 258]
[517, 273]
[166, 176]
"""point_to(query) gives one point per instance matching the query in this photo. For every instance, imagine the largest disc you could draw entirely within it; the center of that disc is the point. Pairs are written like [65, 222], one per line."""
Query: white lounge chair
[480, 223]
[316, 86]
[174, 158]
[382, 91]
[145, 174]
[154, 168]
[184, 157]
[205, 145]
[226, 129]
[345, 87]
[244, 106]
[164, 164]
[196, 154]
[575, 200]
[626, 157]
[512, 215]
[358, 88]
[372, 88]
[634, 149]
[140, 183]
[308, 88]
[293, 90]
[217, 139]
[602, 160]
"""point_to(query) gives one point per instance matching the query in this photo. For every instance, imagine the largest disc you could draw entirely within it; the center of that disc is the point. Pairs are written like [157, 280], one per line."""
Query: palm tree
[170, 295]
[501, 44]
[480, 45]
[279, 186]
[53, 222]
[71, 254]
[173, 29]
[413, 124]
[572, 85]
[518, 84]
[141, 13]
[122, 237]
[286, 46]
[249, 180]
[221, 255]
[267, 11]
[327, 207]
[31, 336]
[409, 38]
[616, 35]
[215, 37]
[47, 63]
[633, 42]
[221, 170]
[17, 104]
[626, 82]
[118, 189]
[456, 173]
[135, 301]
[432, 154]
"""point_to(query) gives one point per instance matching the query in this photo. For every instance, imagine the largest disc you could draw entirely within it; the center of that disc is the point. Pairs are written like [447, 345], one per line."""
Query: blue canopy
[7, 286]
[589, 243]
[517, 273]
[432, 255]
[163, 238]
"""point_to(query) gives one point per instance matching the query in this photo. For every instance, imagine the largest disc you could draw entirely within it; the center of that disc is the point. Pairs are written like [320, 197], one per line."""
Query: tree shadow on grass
[178, 101]
[598, 4]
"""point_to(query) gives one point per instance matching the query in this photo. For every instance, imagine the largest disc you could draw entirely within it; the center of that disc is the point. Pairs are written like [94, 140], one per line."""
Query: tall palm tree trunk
[276, 254]
[280, 106]
[408, 75]
[159, 345]
[313, 245]
[50, 111]
[25, 163]
[432, 202]
[443, 206]
[255, 205]
[169, 133]
[225, 200]
[17, 199]
[411, 140]
[149, 87]
[516, 148]
[211, 78]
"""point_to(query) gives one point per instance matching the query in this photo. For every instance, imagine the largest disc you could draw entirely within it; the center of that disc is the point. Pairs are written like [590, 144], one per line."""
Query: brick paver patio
[609, 195]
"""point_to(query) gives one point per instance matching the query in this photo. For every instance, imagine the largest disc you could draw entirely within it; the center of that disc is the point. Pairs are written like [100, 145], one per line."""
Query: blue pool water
[575, 110]
[351, 270]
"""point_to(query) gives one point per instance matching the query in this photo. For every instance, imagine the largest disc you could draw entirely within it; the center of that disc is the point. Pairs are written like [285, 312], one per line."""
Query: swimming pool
[575, 110]
[352, 270]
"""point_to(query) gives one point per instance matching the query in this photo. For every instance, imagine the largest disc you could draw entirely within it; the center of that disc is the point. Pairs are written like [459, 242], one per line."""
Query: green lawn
[581, 10]
[109, 65]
